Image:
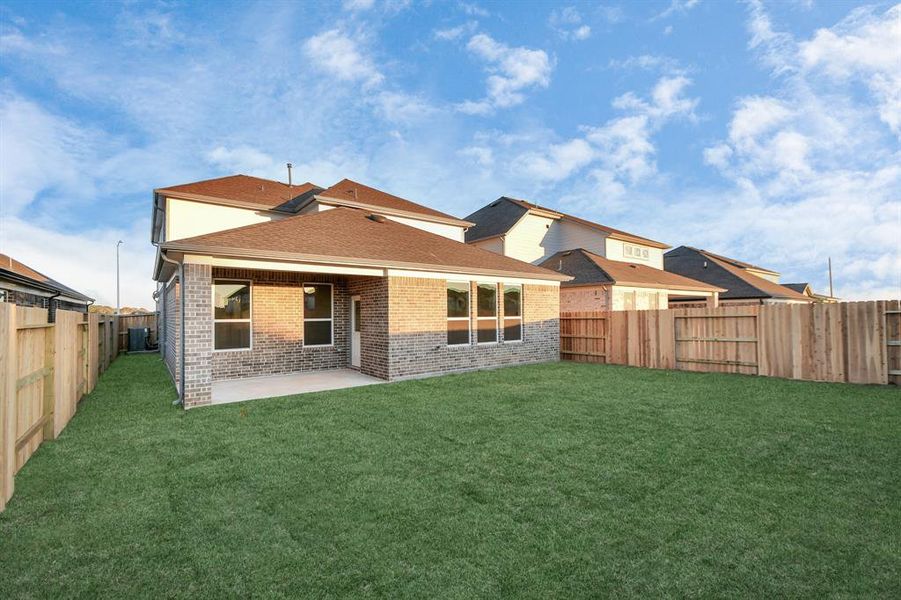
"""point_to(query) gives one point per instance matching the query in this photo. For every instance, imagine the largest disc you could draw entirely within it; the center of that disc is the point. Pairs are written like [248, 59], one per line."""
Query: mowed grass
[558, 480]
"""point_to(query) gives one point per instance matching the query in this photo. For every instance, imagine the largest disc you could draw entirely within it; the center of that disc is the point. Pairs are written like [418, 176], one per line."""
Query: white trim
[215, 320]
[351, 331]
[522, 330]
[467, 318]
[496, 317]
[324, 265]
[237, 263]
[460, 277]
[331, 319]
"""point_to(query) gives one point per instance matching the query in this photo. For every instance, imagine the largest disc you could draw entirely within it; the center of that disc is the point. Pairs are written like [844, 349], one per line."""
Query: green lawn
[559, 480]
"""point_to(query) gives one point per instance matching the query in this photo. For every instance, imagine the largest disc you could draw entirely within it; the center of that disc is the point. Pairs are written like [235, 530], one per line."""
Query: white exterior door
[355, 332]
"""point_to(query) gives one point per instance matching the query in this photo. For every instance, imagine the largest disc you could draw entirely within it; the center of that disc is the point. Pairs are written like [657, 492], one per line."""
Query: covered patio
[271, 386]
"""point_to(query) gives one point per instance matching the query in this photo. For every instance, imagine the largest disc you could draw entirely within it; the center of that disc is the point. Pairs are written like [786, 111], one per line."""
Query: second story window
[636, 252]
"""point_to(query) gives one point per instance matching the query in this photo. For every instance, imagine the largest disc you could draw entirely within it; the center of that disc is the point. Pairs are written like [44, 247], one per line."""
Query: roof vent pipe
[290, 166]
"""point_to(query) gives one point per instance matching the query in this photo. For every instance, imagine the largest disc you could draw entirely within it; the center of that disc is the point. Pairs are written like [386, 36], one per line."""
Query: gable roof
[738, 281]
[352, 193]
[587, 268]
[255, 191]
[12, 269]
[498, 219]
[801, 288]
[351, 236]
[734, 262]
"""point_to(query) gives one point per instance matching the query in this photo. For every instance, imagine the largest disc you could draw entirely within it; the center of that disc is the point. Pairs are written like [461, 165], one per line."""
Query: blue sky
[763, 130]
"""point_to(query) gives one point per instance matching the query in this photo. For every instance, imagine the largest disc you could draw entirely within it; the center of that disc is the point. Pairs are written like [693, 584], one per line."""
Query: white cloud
[473, 9]
[243, 159]
[355, 5]
[335, 53]
[86, 260]
[512, 71]
[814, 172]
[557, 162]
[454, 33]
[860, 47]
[676, 7]
[567, 22]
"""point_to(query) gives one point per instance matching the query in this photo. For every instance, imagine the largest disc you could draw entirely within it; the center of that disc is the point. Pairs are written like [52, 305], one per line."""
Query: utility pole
[118, 306]
[831, 295]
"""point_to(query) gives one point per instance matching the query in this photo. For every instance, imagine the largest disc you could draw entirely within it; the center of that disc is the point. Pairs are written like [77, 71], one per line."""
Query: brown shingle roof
[733, 261]
[494, 220]
[351, 191]
[265, 193]
[350, 236]
[7, 263]
[766, 286]
[588, 267]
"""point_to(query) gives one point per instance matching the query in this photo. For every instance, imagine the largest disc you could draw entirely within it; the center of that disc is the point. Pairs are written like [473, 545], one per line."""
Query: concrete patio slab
[238, 390]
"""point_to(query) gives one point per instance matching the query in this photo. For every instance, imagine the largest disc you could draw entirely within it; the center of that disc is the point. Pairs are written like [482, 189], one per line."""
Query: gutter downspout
[51, 312]
[181, 327]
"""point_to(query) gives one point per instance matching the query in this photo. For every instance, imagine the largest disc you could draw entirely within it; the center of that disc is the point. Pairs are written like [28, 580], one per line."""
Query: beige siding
[572, 235]
[185, 218]
[616, 250]
[764, 275]
[532, 239]
[629, 298]
[495, 245]
[449, 231]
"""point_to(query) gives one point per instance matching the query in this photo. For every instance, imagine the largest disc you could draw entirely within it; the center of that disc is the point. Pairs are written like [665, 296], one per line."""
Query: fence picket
[856, 342]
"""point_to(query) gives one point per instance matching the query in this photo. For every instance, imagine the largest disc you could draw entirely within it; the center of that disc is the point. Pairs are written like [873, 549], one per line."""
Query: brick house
[24, 286]
[257, 277]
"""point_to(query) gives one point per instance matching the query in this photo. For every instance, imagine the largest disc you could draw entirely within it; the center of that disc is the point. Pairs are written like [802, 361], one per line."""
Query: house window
[317, 314]
[457, 313]
[512, 313]
[486, 317]
[635, 252]
[231, 315]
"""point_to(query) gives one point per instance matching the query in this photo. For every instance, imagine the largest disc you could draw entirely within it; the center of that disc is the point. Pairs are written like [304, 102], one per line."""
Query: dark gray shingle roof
[494, 219]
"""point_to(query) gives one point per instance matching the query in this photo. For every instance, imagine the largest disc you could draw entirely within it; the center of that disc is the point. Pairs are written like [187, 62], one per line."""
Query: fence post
[8, 375]
[49, 382]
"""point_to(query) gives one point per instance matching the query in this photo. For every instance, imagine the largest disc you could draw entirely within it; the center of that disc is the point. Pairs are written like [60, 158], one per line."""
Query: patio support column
[198, 297]
[713, 301]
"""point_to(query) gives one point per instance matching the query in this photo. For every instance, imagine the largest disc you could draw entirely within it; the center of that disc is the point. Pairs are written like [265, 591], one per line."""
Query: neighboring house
[804, 288]
[536, 234]
[22, 285]
[257, 277]
[602, 284]
[744, 283]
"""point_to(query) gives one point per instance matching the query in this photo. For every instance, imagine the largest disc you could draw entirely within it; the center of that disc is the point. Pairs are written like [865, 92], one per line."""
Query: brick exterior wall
[198, 335]
[403, 329]
[418, 330]
[584, 298]
[373, 292]
[171, 325]
[277, 326]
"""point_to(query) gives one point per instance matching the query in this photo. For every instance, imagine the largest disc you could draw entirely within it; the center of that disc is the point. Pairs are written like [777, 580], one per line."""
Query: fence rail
[45, 369]
[127, 322]
[856, 342]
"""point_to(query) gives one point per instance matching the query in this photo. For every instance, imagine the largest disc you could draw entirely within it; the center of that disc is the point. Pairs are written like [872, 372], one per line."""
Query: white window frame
[496, 317]
[468, 286]
[249, 283]
[522, 303]
[304, 318]
[635, 251]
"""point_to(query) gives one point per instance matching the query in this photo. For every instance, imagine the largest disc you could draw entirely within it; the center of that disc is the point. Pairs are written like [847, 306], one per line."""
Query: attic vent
[495, 203]
[377, 218]
[567, 253]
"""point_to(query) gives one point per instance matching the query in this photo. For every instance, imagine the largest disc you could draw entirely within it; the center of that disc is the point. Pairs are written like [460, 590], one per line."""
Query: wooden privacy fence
[856, 342]
[126, 322]
[45, 369]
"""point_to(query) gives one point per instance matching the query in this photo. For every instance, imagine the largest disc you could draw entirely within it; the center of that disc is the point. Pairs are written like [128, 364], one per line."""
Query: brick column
[198, 294]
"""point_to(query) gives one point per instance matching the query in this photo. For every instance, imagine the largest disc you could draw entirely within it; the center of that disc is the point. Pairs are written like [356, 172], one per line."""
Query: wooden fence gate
[856, 342]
